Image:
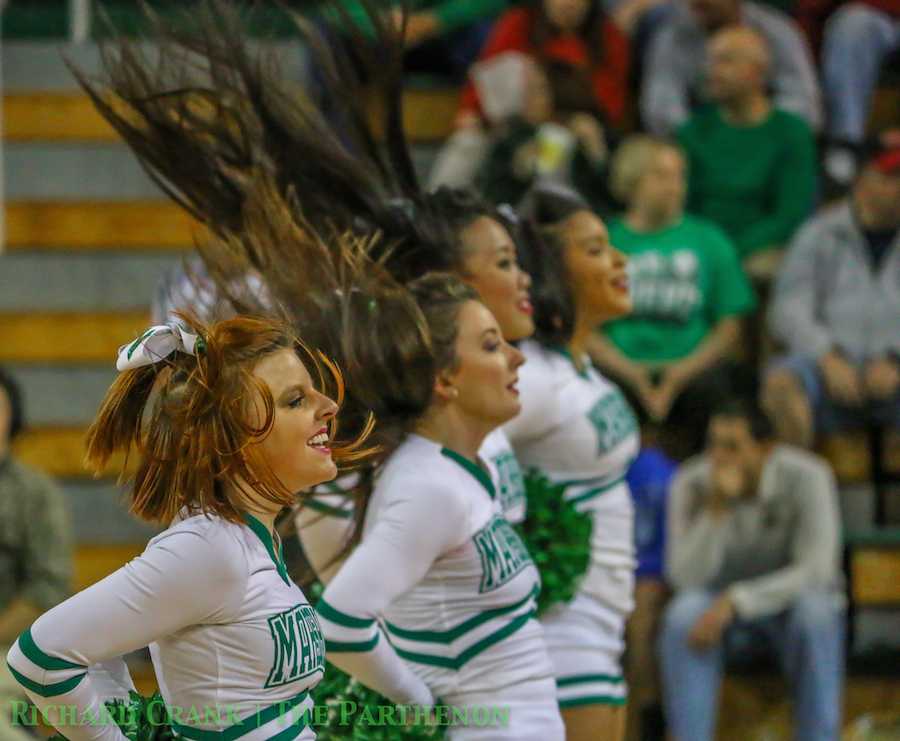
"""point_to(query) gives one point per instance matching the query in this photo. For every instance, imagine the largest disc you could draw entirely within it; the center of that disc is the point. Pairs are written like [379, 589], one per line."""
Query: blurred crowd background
[744, 154]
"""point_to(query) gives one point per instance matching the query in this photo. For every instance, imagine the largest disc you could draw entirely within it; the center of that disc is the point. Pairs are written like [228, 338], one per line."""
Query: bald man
[752, 166]
[674, 71]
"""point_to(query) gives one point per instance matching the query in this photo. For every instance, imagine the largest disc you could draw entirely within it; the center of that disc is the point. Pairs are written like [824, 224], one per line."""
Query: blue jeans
[857, 40]
[831, 417]
[809, 641]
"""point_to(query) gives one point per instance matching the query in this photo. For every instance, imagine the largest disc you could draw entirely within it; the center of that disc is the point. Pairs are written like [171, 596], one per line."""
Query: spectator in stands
[675, 66]
[443, 36]
[752, 166]
[649, 479]
[754, 547]
[836, 307]
[559, 136]
[858, 38]
[35, 548]
[689, 293]
[572, 32]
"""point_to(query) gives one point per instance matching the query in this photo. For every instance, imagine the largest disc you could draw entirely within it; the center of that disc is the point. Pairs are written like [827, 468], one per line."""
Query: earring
[454, 394]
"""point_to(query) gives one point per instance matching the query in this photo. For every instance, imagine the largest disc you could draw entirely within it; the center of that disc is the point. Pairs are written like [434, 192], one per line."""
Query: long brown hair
[210, 108]
[190, 418]
[390, 340]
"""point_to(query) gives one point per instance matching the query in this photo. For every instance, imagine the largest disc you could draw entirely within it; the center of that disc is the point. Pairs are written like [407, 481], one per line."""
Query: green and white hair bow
[158, 343]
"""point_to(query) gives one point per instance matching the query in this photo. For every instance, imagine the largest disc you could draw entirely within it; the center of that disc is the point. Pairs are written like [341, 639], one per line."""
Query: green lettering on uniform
[502, 553]
[613, 420]
[299, 646]
[511, 482]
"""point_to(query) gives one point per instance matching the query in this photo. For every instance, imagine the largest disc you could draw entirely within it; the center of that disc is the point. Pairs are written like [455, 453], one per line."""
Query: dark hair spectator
[13, 394]
[35, 547]
[560, 136]
[575, 33]
[753, 548]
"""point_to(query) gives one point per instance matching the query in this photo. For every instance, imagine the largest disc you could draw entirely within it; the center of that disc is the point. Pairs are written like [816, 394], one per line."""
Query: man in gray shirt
[753, 545]
[836, 308]
[676, 62]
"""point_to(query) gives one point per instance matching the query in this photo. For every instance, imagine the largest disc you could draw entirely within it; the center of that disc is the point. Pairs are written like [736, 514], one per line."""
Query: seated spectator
[671, 354]
[559, 136]
[443, 36]
[752, 166]
[858, 38]
[35, 548]
[649, 479]
[753, 555]
[836, 307]
[576, 33]
[676, 62]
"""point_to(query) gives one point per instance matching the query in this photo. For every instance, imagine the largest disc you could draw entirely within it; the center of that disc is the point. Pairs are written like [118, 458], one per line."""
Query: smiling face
[296, 448]
[491, 268]
[486, 372]
[596, 270]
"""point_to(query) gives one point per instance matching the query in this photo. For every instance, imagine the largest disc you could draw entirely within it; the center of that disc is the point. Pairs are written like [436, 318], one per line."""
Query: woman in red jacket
[575, 32]
[571, 32]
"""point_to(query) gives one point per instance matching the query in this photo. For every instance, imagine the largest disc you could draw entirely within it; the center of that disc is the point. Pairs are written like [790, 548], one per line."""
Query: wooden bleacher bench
[428, 115]
[93, 562]
[99, 225]
[59, 452]
[875, 567]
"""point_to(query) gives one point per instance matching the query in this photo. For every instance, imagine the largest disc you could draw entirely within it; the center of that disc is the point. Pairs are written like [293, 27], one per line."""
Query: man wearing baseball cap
[836, 307]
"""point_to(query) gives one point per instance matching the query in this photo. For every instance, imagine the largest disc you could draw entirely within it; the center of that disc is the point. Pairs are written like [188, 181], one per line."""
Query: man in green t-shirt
[752, 167]
[688, 290]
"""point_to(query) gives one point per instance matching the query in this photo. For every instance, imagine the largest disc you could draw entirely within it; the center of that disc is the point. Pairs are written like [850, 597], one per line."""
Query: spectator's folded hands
[707, 631]
[842, 379]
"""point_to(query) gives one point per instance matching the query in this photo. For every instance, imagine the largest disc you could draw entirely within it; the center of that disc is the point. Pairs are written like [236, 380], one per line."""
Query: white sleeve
[410, 533]
[183, 578]
[540, 403]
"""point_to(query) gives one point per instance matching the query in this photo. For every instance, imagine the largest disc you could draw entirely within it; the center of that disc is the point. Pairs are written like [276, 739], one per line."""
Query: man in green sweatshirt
[752, 166]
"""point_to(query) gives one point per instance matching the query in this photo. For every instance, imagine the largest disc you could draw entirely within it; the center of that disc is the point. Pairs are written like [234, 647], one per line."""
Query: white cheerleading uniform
[576, 429]
[235, 645]
[438, 599]
[324, 523]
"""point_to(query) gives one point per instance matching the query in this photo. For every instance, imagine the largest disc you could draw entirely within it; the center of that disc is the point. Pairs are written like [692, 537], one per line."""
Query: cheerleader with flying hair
[226, 422]
[339, 175]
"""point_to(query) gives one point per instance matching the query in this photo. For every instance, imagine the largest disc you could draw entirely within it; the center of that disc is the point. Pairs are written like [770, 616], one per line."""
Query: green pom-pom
[338, 687]
[140, 718]
[558, 537]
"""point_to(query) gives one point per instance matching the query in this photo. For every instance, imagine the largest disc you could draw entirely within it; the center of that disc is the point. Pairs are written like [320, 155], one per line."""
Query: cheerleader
[576, 429]
[227, 423]
[440, 587]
